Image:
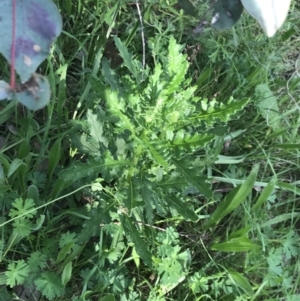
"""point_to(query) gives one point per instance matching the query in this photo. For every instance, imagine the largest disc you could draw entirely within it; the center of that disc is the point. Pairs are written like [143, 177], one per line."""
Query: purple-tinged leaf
[5, 91]
[38, 23]
[35, 93]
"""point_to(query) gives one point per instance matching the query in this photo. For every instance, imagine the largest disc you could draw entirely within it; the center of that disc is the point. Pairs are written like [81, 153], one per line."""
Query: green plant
[159, 171]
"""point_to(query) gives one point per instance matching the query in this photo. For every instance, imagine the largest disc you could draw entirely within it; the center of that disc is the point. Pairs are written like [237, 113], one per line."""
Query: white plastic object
[270, 14]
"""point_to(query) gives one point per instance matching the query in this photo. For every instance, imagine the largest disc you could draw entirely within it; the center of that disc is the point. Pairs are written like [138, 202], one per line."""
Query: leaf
[181, 208]
[198, 182]
[14, 166]
[240, 244]
[5, 91]
[96, 128]
[66, 238]
[241, 282]
[64, 251]
[226, 13]
[92, 167]
[38, 23]
[17, 273]
[213, 111]
[233, 199]
[37, 261]
[177, 66]
[281, 218]
[35, 93]
[265, 194]
[268, 106]
[54, 156]
[128, 61]
[50, 285]
[289, 187]
[4, 295]
[33, 193]
[239, 233]
[23, 207]
[22, 226]
[110, 76]
[39, 223]
[66, 274]
[156, 153]
[130, 200]
[270, 14]
[287, 146]
[140, 245]
[91, 227]
[108, 297]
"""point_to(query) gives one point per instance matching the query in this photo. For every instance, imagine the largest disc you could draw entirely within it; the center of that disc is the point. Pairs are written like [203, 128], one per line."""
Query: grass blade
[233, 199]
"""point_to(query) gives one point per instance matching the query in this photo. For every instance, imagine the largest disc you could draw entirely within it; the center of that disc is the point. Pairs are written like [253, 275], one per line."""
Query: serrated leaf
[181, 208]
[38, 23]
[190, 142]
[110, 76]
[91, 227]
[128, 61]
[50, 285]
[140, 246]
[37, 261]
[233, 199]
[177, 66]
[96, 128]
[156, 153]
[198, 182]
[130, 200]
[213, 111]
[17, 273]
[23, 207]
[91, 167]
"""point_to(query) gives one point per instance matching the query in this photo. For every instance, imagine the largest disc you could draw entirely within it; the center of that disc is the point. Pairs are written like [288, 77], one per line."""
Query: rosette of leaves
[142, 138]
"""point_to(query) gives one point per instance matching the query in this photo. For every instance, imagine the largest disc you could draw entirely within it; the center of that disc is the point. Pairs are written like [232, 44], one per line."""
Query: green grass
[173, 180]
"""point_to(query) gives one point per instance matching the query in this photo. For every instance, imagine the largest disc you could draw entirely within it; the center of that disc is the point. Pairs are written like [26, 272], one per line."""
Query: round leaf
[38, 23]
[5, 91]
[35, 93]
[226, 13]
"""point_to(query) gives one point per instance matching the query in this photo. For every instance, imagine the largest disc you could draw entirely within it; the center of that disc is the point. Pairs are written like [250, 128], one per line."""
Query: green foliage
[50, 285]
[17, 273]
[140, 180]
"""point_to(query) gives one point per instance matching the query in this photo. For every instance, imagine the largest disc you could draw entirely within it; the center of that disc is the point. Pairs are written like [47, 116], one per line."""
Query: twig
[142, 34]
